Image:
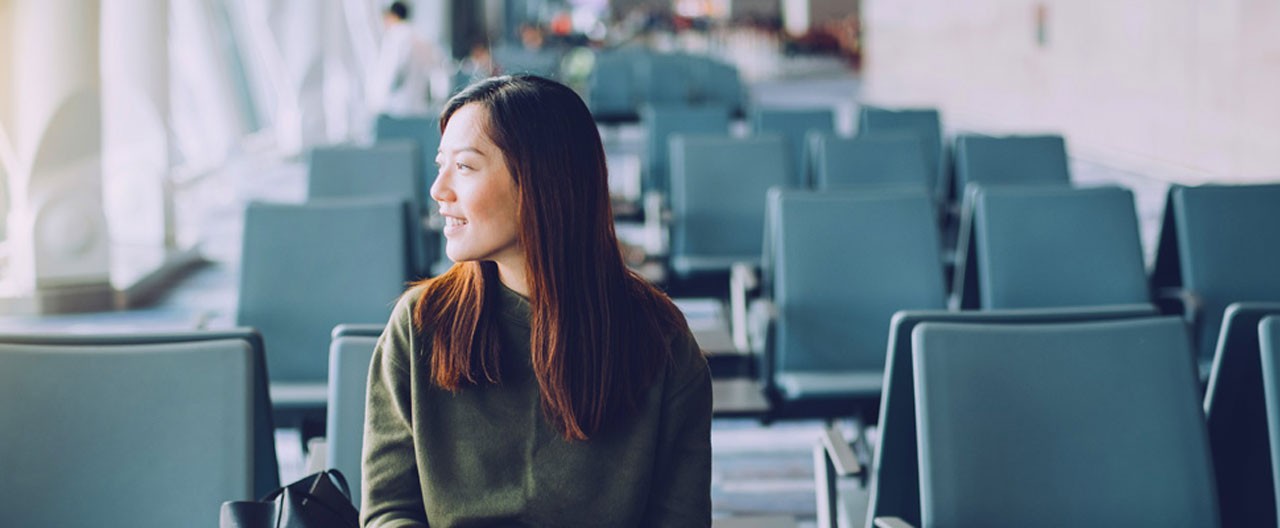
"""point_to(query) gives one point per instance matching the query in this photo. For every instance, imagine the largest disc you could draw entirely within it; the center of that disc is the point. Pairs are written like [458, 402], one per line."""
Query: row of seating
[1067, 417]
[1001, 417]
[838, 263]
[692, 158]
[625, 80]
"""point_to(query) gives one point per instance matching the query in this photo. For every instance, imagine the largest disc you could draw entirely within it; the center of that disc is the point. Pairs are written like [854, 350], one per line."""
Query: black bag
[319, 500]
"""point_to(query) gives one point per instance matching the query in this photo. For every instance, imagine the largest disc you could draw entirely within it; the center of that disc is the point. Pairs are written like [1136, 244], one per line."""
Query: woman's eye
[463, 166]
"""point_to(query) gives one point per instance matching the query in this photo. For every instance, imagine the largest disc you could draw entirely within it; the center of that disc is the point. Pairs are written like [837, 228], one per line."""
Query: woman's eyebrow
[461, 150]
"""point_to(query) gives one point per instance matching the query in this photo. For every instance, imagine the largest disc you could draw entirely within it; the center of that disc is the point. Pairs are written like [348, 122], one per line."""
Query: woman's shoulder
[683, 350]
[406, 306]
[402, 338]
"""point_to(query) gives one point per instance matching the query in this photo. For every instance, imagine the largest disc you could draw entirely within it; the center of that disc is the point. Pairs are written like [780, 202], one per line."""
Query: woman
[538, 382]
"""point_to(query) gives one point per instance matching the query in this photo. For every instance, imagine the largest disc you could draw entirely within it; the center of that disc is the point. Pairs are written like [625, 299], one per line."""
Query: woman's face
[476, 193]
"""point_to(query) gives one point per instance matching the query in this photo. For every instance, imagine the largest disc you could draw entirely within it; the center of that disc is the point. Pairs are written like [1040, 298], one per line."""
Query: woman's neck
[513, 277]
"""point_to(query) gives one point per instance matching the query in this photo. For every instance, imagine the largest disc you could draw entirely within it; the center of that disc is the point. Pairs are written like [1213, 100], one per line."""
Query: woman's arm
[390, 489]
[681, 488]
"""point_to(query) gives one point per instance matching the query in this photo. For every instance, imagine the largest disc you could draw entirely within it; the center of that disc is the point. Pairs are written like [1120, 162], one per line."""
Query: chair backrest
[1046, 247]
[667, 78]
[514, 58]
[148, 435]
[895, 477]
[879, 160]
[1269, 337]
[349, 356]
[795, 124]
[389, 169]
[718, 188]
[1000, 410]
[663, 121]
[719, 83]
[423, 130]
[1228, 247]
[266, 470]
[1011, 160]
[842, 263]
[308, 267]
[611, 91]
[1236, 416]
[925, 124]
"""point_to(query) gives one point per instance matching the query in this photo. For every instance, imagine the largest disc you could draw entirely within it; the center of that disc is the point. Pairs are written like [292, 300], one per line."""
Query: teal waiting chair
[987, 162]
[1269, 337]
[926, 125]
[514, 58]
[1007, 436]
[350, 354]
[894, 472]
[611, 93]
[719, 83]
[1218, 244]
[308, 267]
[423, 131]
[839, 265]
[1011, 160]
[1047, 247]
[795, 124]
[667, 78]
[1236, 416]
[661, 122]
[147, 431]
[869, 160]
[718, 188]
[389, 169]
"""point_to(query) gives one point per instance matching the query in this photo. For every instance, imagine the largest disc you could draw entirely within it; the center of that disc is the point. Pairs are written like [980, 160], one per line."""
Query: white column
[296, 28]
[8, 158]
[432, 19]
[136, 142]
[57, 231]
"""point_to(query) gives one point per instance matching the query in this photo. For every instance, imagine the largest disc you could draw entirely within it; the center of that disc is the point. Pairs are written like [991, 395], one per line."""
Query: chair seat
[685, 265]
[299, 395]
[823, 385]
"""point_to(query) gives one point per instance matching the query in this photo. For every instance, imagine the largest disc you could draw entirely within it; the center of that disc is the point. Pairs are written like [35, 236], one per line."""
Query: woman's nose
[440, 190]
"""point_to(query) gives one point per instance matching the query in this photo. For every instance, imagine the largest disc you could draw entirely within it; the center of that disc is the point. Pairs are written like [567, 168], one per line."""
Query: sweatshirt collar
[513, 306]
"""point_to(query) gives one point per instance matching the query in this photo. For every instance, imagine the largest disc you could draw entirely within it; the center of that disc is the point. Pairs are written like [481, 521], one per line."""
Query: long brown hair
[599, 332]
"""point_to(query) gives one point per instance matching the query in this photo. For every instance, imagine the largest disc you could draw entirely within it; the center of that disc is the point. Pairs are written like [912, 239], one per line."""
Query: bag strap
[342, 481]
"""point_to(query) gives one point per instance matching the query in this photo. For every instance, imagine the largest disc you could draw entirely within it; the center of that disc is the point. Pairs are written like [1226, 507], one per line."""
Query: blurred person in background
[400, 80]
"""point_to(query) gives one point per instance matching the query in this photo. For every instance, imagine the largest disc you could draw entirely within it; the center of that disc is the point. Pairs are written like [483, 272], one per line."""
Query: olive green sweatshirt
[486, 456]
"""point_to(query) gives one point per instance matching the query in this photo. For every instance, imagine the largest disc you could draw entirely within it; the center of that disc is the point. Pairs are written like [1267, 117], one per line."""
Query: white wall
[1178, 89]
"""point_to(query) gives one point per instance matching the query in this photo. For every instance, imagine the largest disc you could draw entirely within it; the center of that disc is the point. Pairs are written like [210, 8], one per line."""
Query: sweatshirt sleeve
[681, 489]
[390, 489]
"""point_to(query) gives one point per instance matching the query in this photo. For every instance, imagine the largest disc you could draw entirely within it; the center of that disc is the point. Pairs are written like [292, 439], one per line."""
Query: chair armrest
[1177, 301]
[839, 452]
[742, 279]
[761, 317]
[433, 221]
[657, 220]
[891, 522]
[317, 458]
